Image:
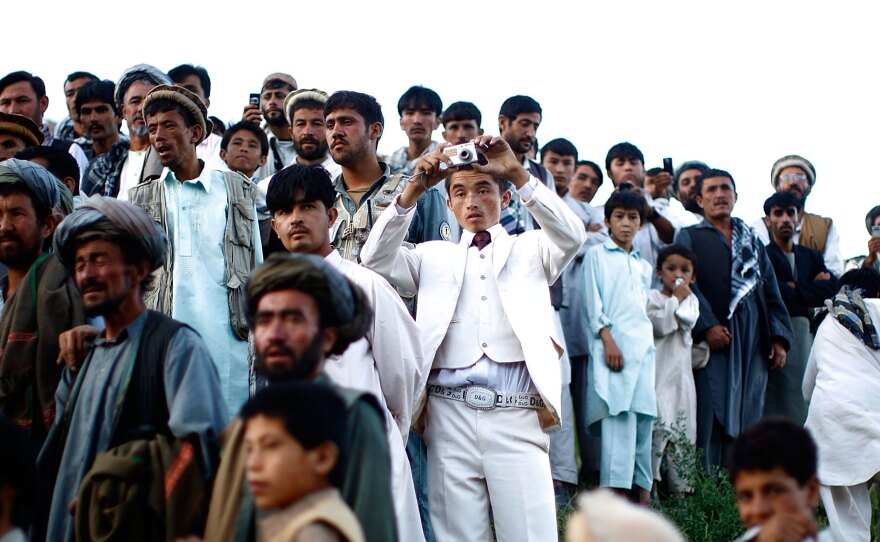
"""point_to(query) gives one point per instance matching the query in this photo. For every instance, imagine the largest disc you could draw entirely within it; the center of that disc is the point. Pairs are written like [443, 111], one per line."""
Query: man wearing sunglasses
[796, 174]
[804, 282]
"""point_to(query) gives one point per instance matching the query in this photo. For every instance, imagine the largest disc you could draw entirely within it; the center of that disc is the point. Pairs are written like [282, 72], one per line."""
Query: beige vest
[814, 232]
[329, 509]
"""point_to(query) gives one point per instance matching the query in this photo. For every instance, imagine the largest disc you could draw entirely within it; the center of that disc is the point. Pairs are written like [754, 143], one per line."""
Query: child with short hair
[620, 379]
[673, 311]
[295, 437]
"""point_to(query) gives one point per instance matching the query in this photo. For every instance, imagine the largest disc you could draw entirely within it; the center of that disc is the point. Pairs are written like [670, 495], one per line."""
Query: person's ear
[324, 457]
[505, 198]
[502, 124]
[328, 339]
[197, 132]
[207, 103]
[290, 130]
[275, 227]
[49, 225]
[44, 104]
[436, 123]
[263, 160]
[70, 183]
[376, 130]
[480, 132]
[332, 215]
[223, 154]
[812, 489]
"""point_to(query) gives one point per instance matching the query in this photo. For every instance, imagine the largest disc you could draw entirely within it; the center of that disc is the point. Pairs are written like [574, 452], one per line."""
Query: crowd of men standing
[266, 330]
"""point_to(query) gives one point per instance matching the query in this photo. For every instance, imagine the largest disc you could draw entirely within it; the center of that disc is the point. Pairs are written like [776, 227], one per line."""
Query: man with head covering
[797, 174]
[872, 222]
[110, 247]
[17, 132]
[270, 111]
[302, 311]
[130, 160]
[210, 219]
[39, 300]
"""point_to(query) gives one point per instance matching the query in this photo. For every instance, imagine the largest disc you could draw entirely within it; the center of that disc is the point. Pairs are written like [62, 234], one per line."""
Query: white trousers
[849, 510]
[481, 459]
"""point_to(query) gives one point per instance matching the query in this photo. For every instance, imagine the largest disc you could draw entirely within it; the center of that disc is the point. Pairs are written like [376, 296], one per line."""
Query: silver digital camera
[462, 155]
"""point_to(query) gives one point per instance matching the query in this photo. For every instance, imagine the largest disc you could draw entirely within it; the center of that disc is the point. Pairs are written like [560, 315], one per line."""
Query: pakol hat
[21, 126]
[192, 103]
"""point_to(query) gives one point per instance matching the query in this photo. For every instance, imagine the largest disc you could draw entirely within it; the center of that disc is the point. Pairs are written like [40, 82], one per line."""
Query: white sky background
[736, 85]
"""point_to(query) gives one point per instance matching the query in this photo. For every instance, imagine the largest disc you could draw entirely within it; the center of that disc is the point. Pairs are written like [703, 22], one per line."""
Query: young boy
[620, 381]
[295, 443]
[673, 312]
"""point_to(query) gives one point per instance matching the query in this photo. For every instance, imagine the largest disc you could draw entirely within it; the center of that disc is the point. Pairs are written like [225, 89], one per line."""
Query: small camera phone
[667, 166]
[875, 231]
[254, 99]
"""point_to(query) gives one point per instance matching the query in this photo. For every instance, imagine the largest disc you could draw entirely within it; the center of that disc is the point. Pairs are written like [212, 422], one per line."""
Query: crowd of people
[268, 331]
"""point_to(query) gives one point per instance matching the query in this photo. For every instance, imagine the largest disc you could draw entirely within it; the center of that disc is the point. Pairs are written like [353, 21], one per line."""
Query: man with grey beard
[131, 160]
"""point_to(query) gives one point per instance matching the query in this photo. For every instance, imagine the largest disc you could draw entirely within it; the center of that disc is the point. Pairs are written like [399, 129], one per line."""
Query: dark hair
[165, 105]
[183, 71]
[81, 75]
[312, 414]
[871, 217]
[560, 146]
[517, 105]
[365, 105]
[593, 165]
[708, 174]
[783, 200]
[277, 83]
[864, 278]
[676, 250]
[416, 96]
[36, 83]
[17, 471]
[774, 443]
[314, 181]
[220, 126]
[503, 184]
[625, 151]
[626, 200]
[306, 103]
[60, 163]
[20, 187]
[250, 127]
[690, 164]
[462, 111]
[101, 91]
[654, 171]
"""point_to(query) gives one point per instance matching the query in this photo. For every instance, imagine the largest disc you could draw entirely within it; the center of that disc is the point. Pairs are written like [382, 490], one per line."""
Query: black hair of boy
[624, 151]
[626, 200]
[710, 174]
[462, 111]
[595, 168]
[59, 162]
[417, 96]
[774, 443]
[365, 105]
[676, 250]
[783, 200]
[313, 182]
[179, 73]
[311, 413]
[560, 146]
[250, 127]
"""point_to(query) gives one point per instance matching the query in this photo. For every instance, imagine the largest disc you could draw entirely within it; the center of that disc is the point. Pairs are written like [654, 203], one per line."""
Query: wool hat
[287, 78]
[793, 160]
[188, 100]
[311, 94]
[21, 126]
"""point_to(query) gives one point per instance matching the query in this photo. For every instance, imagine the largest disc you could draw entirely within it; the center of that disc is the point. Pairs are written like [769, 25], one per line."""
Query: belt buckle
[480, 398]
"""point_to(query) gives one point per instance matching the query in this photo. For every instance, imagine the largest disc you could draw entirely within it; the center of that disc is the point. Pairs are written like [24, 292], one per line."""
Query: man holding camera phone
[268, 106]
[490, 333]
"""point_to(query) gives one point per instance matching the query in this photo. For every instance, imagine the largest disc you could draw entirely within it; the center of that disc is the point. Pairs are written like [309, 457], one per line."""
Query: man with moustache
[303, 311]
[131, 160]
[419, 109]
[99, 116]
[276, 87]
[196, 80]
[70, 127]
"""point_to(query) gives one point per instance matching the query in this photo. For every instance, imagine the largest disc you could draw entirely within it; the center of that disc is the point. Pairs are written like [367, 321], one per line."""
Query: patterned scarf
[848, 308]
[745, 269]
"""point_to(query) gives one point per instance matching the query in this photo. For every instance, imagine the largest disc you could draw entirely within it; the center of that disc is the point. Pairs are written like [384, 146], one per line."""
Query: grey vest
[238, 244]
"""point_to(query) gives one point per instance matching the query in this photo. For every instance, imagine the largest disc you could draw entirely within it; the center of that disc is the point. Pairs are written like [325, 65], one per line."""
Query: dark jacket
[807, 292]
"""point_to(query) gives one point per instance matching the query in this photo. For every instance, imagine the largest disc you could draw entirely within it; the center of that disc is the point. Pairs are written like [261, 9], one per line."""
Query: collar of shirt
[339, 182]
[333, 258]
[48, 136]
[467, 237]
[204, 177]
[611, 246]
[132, 329]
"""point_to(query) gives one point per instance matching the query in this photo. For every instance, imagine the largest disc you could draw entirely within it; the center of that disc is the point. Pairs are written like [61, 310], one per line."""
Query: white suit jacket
[525, 265]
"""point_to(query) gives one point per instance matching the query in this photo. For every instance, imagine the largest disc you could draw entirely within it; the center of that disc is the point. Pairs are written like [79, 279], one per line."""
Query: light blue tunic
[616, 291]
[196, 214]
[191, 386]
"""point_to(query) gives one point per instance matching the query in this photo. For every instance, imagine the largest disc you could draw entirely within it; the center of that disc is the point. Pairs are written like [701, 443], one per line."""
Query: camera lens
[464, 154]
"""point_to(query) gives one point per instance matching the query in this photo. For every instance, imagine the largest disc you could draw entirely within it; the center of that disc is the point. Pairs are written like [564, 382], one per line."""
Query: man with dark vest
[797, 174]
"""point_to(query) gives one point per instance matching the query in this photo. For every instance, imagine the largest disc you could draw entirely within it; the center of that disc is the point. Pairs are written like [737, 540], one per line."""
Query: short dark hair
[690, 164]
[560, 146]
[593, 165]
[418, 95]
[312, 414]
[365, 105]
[871, 217]
[220, 126]
[518, 105]
[462, 111]
[36, 83]
[183, 71]
[81, 75]
[60, 163]
[783, 200]
[503, 184]
[250, 127]
[101, 91]
[625, 151]
[774, 443]
[276, 83]
[675, 250]
[626, 200]
[305, 103]
[865, 279]
[708, 174]
[165, 105]
[314, 181]
[17, 471]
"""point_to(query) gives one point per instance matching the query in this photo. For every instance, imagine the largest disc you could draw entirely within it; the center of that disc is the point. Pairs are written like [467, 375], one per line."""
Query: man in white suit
[486, 323]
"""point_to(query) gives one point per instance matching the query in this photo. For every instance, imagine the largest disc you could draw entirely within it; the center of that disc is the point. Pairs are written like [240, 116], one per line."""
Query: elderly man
[157, 369]
[17, 132]
[40, 301]
[302, 311]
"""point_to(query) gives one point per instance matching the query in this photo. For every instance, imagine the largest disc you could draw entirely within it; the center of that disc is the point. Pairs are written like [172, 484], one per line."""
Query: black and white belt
[483, 398]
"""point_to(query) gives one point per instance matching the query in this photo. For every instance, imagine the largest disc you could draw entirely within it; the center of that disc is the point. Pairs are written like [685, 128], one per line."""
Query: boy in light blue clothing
[620, 392]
